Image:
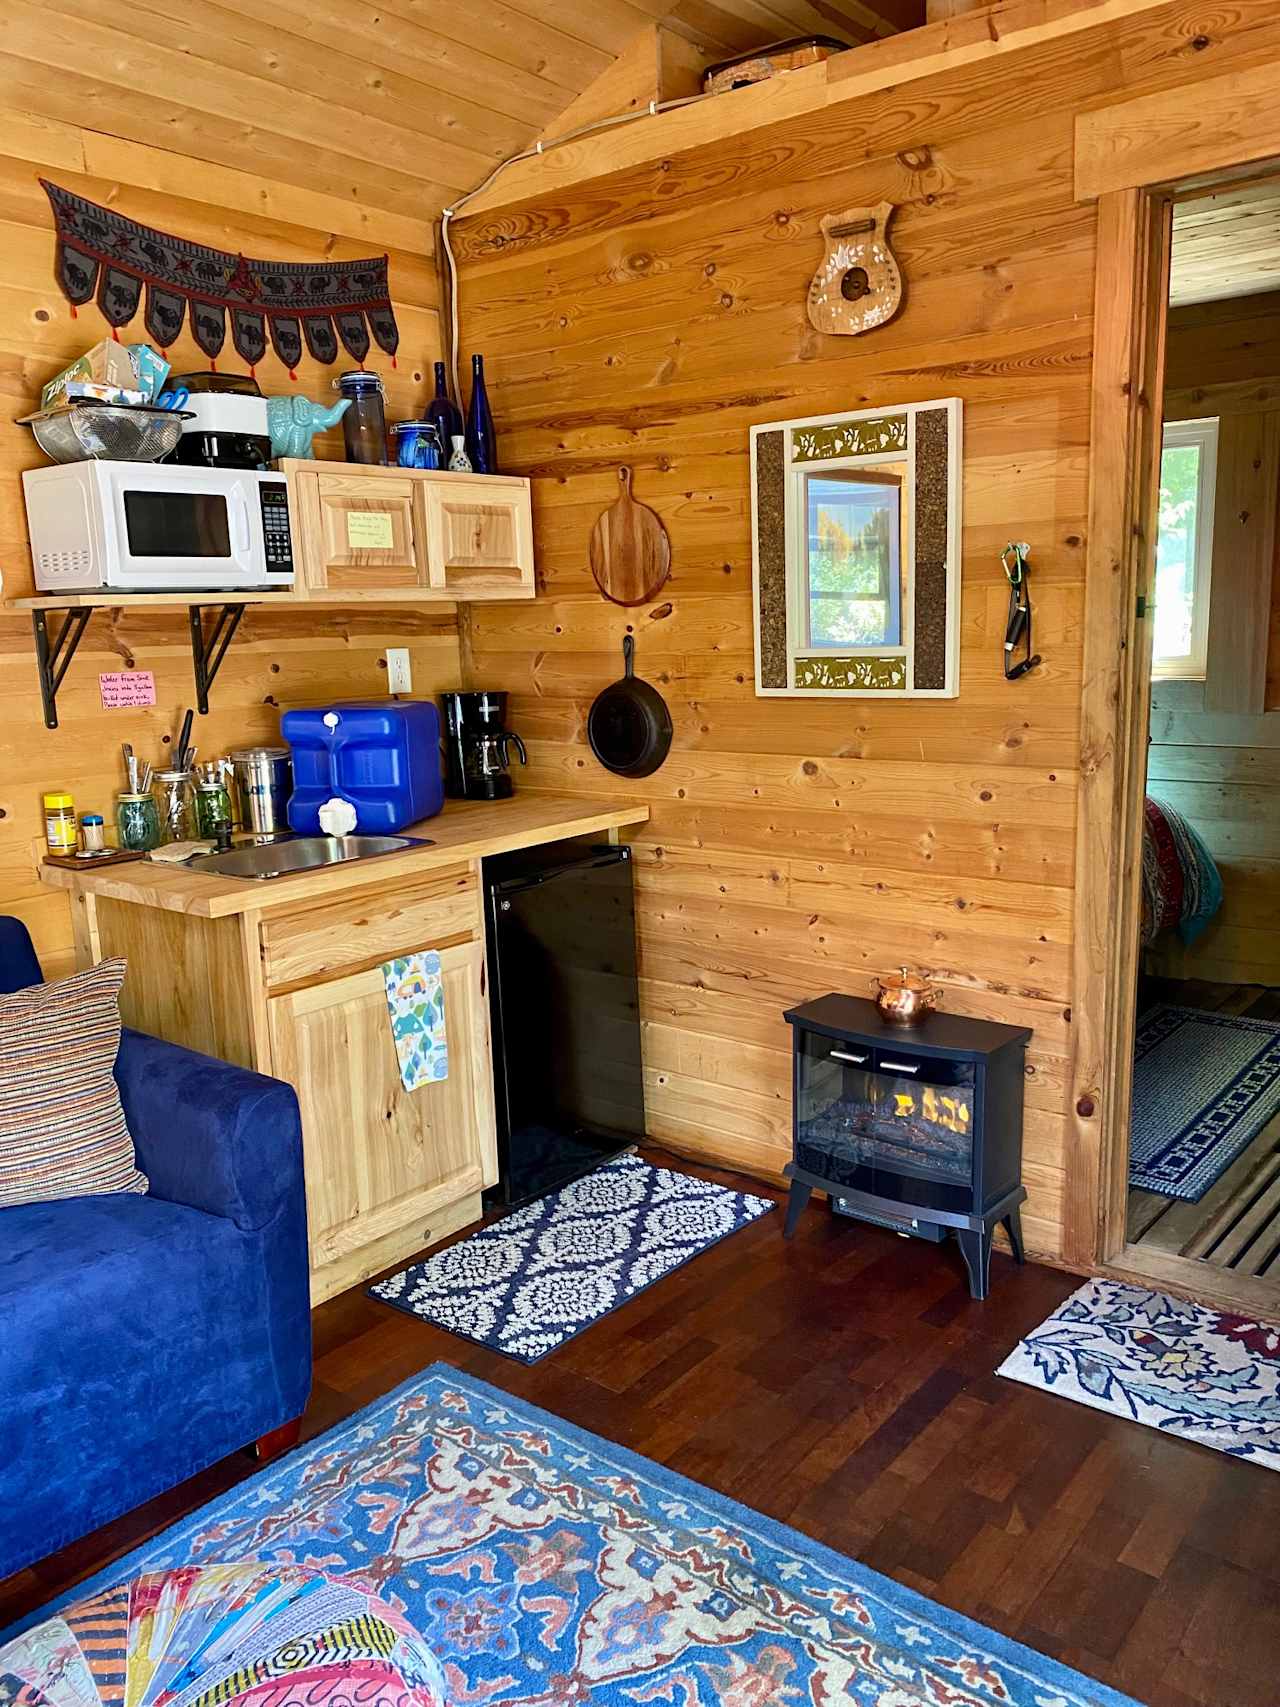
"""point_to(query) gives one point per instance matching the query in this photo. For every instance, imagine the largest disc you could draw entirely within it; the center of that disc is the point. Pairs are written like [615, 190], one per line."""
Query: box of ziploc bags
[117, 367]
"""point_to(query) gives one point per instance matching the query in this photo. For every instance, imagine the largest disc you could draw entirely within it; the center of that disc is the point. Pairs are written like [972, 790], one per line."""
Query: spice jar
[175, 797]
[60, 823]
[92, 834]
[137, 822]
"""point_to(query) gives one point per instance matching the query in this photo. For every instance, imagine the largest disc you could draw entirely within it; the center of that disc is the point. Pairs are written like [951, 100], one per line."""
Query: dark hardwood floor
[844, 1383]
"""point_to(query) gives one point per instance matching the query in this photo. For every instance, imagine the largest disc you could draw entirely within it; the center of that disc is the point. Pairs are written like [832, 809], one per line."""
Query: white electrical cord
[448, 213]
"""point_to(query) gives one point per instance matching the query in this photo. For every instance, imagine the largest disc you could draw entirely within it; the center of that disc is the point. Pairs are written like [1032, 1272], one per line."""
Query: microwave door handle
[242, 521]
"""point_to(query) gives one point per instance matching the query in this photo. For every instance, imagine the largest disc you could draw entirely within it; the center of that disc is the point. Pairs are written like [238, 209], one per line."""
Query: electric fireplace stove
[917, 1129]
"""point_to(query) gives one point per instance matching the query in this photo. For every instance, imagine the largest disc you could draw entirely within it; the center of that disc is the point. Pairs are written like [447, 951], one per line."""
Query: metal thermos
[264, 782]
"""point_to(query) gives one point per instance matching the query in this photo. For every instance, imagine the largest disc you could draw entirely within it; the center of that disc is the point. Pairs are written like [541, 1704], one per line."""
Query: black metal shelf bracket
[208, 650]
[52, 658]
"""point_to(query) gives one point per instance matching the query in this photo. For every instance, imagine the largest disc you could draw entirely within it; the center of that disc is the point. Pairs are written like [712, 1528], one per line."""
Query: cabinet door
[479, 534]
[379, 1158]
[360, 532]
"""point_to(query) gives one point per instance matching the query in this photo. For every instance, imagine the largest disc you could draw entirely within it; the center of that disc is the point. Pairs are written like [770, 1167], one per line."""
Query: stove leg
[1013, 1227]
[975, 1248]
[796, 1203]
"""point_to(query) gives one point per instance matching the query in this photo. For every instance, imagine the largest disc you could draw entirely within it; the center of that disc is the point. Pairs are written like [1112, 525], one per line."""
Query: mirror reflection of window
[853, 560]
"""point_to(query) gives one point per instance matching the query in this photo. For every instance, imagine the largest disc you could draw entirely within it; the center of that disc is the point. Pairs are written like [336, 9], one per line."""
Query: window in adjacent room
[1184, 551]
[853, 562]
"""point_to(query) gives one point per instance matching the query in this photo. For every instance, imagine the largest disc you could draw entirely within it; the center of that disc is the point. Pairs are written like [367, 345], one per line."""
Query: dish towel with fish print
[415, 996]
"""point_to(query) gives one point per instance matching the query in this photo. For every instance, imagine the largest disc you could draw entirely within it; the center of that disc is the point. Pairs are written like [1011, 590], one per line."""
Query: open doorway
[1203, 1183]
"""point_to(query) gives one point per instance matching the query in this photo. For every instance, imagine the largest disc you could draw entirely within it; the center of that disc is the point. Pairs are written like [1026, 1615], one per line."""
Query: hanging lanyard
[1018, 623]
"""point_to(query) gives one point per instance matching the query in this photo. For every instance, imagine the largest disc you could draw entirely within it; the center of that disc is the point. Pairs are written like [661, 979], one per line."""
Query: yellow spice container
[60, 823]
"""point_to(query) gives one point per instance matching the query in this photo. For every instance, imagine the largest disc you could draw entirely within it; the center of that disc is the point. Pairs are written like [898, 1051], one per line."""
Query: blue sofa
[144, 1337]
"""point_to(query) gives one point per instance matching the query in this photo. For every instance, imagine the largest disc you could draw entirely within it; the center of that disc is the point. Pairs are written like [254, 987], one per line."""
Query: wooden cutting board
[630, 551]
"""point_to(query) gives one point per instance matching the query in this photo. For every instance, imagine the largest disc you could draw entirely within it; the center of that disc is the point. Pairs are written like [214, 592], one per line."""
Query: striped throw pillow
[62, 1129]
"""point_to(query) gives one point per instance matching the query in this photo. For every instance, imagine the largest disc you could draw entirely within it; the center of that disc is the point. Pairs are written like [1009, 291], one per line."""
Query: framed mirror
[856, 556]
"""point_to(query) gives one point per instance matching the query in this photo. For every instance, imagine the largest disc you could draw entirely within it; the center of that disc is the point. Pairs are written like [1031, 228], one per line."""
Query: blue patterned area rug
[528, 1283]
[546, 1566]
[1204, 1086]
[1180, 1367]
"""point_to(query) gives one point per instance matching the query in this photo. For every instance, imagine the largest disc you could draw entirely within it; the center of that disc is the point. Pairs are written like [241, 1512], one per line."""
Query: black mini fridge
[564, 1008]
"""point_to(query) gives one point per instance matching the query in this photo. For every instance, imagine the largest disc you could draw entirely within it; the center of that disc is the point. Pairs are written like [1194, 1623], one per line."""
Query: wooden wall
[146, 128]
[1218, 762]
[650, 317]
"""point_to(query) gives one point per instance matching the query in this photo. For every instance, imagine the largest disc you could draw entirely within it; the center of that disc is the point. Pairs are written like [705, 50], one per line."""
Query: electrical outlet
[399, 675]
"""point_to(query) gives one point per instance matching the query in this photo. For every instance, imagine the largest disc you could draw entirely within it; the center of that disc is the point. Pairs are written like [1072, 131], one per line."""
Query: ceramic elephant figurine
[292, 421]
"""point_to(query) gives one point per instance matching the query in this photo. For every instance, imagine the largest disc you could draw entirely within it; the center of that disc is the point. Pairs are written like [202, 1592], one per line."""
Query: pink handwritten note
[123, 688]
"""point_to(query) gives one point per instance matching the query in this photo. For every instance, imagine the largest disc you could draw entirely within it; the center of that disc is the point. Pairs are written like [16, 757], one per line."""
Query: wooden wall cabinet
[399, 533]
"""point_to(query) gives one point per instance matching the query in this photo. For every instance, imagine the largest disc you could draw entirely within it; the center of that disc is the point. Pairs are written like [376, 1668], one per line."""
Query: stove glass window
[888, 1110]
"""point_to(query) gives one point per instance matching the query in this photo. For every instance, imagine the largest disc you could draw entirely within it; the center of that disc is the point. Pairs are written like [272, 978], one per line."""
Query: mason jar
[137, 822]
[175, 798]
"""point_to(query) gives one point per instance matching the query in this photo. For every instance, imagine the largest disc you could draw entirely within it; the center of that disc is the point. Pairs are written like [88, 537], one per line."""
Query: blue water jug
[379, 758]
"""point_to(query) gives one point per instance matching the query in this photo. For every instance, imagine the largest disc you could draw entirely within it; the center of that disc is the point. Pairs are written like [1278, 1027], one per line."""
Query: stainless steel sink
[301, 853]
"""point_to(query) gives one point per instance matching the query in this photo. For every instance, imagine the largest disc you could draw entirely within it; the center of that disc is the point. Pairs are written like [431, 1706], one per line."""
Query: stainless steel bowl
[106, 432]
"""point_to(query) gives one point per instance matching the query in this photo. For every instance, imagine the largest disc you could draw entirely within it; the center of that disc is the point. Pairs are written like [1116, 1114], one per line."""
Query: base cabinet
[382, 1161]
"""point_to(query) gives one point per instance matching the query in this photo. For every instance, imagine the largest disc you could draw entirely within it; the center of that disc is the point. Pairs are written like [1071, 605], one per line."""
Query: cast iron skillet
[629, 726]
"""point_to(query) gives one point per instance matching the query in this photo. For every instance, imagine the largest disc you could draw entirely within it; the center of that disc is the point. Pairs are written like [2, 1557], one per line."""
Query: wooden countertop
[465, 830]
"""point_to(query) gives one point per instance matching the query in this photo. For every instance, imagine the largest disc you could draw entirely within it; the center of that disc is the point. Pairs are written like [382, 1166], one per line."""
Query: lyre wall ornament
[858, 285]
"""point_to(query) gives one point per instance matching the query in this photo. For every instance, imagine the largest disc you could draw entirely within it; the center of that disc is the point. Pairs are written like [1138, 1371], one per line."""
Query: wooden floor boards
[843, 1383]
[1236, 1224]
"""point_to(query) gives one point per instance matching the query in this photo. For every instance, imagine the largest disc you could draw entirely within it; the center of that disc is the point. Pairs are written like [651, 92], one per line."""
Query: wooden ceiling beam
[864, 71]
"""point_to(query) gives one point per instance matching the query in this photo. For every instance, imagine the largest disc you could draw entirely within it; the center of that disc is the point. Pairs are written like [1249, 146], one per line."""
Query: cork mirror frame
[856, 531]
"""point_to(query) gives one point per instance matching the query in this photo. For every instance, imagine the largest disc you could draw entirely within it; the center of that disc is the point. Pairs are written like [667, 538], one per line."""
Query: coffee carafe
[477, 746]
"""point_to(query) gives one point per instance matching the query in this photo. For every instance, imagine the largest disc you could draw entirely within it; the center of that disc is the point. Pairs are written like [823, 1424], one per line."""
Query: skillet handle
[629, 654]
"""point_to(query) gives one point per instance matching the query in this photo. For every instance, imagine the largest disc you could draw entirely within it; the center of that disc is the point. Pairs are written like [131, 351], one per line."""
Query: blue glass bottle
[481, 442]
[442, 411]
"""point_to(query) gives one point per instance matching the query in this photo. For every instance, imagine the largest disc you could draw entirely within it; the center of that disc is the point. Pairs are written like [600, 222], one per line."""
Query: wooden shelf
[106, 599]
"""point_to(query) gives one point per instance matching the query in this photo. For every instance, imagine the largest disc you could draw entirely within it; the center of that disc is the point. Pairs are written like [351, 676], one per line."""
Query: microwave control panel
[276, 536]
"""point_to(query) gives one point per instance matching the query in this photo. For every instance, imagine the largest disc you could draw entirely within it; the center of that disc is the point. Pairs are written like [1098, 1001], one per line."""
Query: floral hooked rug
[543, 1565]
[1176, 1366]
[526, 1284]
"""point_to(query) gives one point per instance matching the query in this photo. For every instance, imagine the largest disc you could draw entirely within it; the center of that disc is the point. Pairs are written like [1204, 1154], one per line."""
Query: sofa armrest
[208, 1134]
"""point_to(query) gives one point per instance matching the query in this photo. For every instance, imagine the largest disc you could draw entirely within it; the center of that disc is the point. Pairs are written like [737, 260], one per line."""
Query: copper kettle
[905, 998]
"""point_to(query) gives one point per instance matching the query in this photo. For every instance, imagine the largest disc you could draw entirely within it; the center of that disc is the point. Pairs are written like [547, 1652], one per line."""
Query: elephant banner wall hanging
[858, 284]
[293, 303]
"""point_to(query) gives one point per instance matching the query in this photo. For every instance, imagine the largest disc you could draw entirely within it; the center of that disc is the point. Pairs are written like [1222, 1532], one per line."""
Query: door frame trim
[1126, 418]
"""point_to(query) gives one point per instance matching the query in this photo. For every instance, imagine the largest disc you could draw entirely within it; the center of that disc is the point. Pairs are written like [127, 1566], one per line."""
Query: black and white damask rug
[528, 1283]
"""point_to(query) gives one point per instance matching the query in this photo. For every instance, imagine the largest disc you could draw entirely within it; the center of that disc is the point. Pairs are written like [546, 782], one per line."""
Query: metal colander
[106, 432]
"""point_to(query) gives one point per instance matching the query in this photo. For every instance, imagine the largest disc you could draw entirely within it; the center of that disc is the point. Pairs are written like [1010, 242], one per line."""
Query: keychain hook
[1019, 551]
[1013, 560]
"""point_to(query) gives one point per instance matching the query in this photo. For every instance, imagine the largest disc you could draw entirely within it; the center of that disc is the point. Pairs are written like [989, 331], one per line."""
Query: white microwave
[152, 527]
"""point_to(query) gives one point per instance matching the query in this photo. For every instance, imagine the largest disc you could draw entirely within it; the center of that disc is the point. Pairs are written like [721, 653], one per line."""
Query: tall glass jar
[175, 797]
[137, 822]
[364, 426]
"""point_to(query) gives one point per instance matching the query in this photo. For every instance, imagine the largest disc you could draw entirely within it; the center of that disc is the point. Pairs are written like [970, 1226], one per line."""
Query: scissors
[172, 399]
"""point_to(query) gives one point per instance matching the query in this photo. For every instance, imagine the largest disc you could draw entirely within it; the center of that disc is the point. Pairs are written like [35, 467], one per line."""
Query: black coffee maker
[477, 746]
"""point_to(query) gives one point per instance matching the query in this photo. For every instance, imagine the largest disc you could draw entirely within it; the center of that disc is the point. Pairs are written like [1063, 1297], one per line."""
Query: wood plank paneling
[651, 316]
[195, 155]
[799, 848]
